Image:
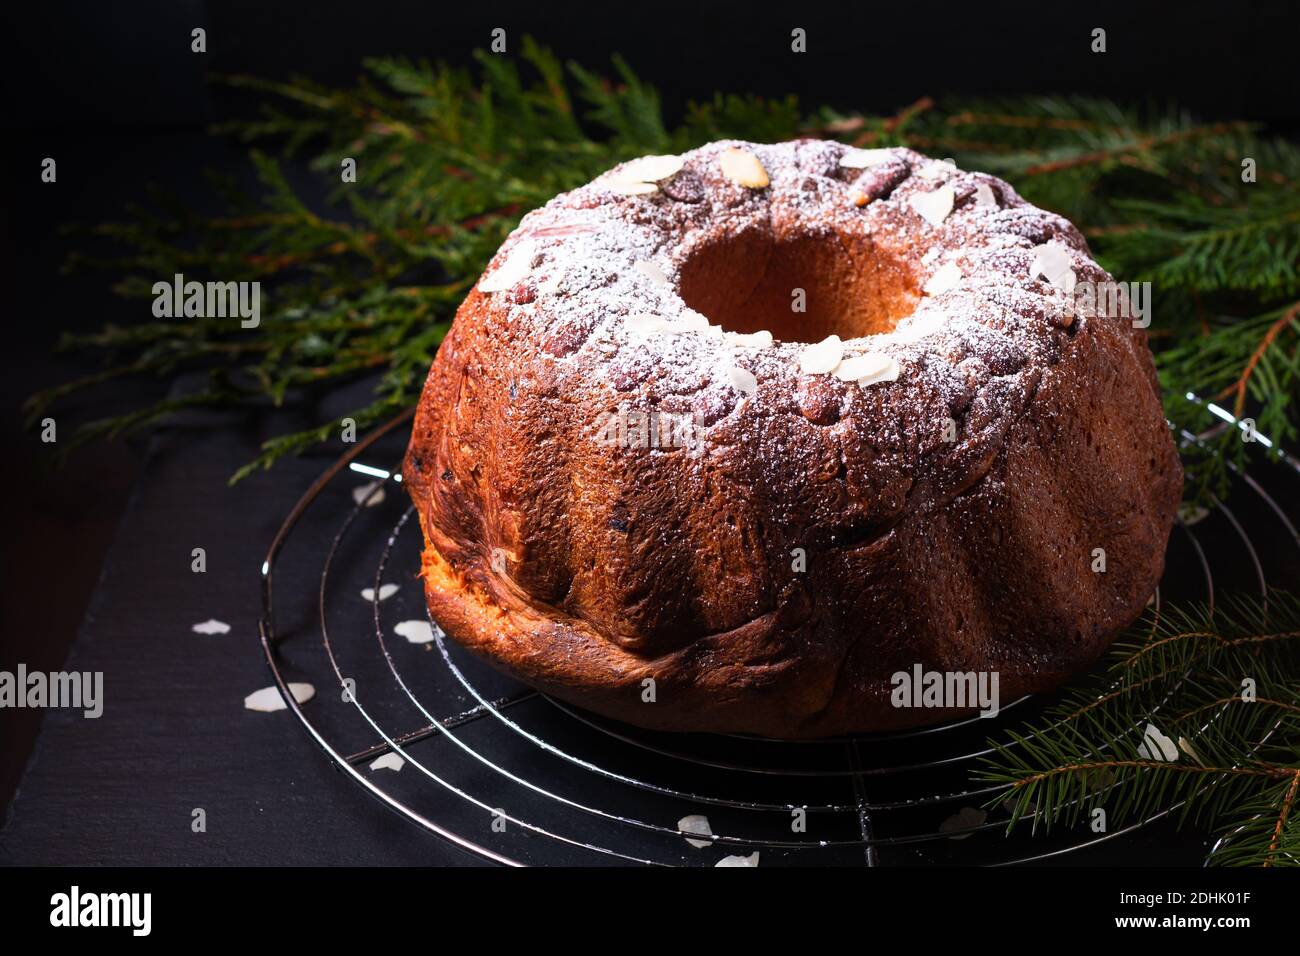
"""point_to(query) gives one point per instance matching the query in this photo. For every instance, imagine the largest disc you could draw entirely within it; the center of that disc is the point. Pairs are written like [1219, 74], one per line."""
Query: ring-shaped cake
[730, 441]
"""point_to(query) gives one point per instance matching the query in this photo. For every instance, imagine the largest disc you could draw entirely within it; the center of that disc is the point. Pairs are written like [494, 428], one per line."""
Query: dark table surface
[175, 735]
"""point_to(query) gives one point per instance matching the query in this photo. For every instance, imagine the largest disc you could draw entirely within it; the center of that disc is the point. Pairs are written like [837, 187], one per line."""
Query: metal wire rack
[518, 778]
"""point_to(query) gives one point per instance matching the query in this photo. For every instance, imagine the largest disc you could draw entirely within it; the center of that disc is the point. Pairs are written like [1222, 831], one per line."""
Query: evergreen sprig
[1222, 688]
[448, 159]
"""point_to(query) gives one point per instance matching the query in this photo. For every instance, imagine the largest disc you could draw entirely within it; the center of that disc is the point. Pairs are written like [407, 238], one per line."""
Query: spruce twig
[1221, 685]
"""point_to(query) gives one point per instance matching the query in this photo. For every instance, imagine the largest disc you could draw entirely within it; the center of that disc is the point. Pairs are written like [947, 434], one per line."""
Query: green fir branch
[1182, 670]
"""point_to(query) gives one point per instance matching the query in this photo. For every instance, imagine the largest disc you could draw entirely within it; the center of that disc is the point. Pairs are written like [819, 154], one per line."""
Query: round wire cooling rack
[518, 778]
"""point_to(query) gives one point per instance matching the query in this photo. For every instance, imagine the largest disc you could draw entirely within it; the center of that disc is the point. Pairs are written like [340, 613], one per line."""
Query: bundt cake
[730, 441]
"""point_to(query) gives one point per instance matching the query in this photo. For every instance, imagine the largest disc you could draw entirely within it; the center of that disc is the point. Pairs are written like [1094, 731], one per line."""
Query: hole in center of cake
[800, 288]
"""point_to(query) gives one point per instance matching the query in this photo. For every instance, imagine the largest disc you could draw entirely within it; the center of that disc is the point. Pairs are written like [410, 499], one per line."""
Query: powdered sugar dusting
[602, 291]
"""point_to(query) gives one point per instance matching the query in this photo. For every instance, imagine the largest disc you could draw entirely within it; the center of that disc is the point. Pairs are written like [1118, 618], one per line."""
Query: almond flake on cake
[742, 380]
[762, 339]
[743, 168]
[691, 319]
[945, 277]
[651, 169]
[862, 366]
[516, 267]
[822, 357]
[632, 187]
[939, 169]
[889, 373]
[1052, 261]
[934, 206]
[863, 158]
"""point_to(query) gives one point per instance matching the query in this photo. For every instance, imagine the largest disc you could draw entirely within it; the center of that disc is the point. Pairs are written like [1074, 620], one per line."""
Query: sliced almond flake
[1052, 261]
[743, 168]
[696, 823]
[864, 158]
[939, 169]
[984, 195]
[945, 277]
[268, 699]
[563, 229]
[417, 632]
[385, 592]
[652, 272]
[934, 206]
[692, 319]
[517, 265]
[1156, 746]
[651, 169]
[919, 326]
[645, 323]
[1050, 258]
[751, 860]
[362, 494]
[822, 357]
[889, 374]
[742, 380]
[762, 339]
[862, 366]
[211, 626]
[632, 187]
[963, 821]
[389, 761]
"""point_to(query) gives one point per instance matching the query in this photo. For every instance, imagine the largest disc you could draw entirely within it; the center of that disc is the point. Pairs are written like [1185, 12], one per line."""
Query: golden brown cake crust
[948, 518]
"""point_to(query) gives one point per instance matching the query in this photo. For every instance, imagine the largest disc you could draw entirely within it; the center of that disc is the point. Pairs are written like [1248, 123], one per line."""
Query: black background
[129, 65]
[113, 91]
